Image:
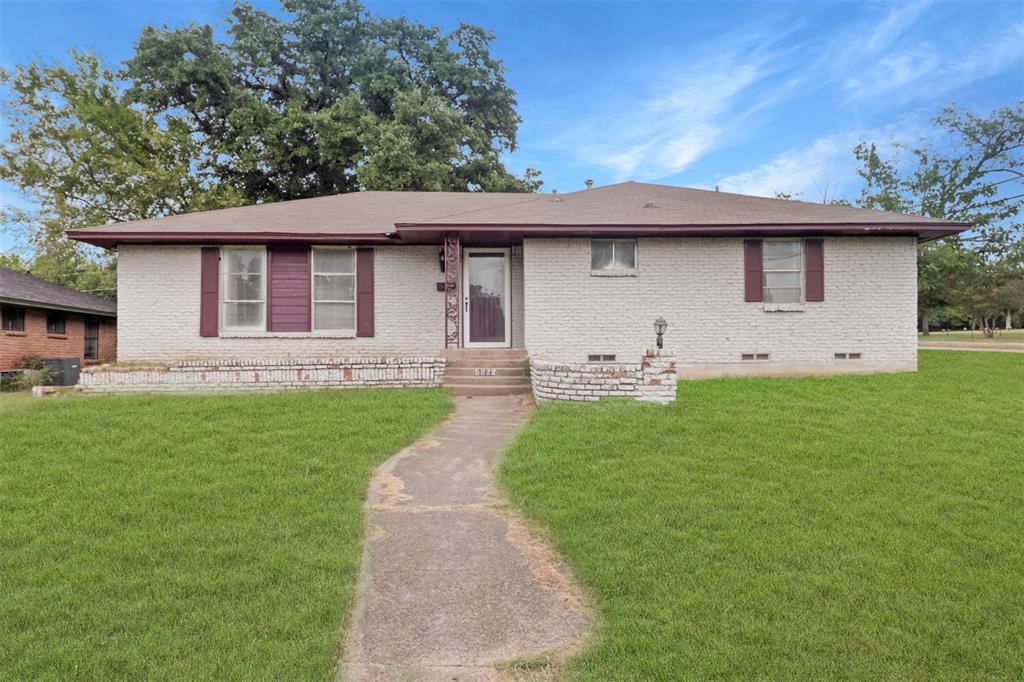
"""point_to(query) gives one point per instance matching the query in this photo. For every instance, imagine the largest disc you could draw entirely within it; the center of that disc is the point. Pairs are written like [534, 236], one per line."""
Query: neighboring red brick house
[41, 318]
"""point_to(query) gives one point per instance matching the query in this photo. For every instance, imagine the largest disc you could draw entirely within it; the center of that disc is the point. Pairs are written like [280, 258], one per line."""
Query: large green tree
[324, 98]
[85, 156]
[972, 172]
[332, 98]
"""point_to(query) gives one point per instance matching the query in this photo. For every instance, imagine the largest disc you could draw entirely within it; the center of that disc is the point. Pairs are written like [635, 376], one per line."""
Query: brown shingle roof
[634, 203]
[372, 215]
[17, 287]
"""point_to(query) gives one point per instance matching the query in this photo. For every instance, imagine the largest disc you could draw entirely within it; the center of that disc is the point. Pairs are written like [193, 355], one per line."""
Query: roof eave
[25, 303]
[923, 231]
[110, 238]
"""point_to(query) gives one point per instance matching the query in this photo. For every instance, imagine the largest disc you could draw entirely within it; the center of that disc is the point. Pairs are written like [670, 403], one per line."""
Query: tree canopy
[974, 174]
[322, 99]
[334, 99]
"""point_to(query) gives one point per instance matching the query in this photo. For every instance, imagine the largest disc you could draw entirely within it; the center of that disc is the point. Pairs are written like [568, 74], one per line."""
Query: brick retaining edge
[653, 379]
[202, 376]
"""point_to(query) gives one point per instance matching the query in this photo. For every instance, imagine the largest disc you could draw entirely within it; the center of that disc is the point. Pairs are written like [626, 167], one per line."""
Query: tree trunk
[1009, 319]
[989, 327]
[924, 323]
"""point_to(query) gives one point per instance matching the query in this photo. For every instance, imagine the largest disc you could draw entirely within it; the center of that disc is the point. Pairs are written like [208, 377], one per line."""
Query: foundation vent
[753, 357]
[847, 356]
[600, 357]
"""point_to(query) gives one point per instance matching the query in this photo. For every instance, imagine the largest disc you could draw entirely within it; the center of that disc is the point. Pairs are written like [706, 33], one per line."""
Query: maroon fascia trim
[420, 232]
[433, 233]
[112, 238]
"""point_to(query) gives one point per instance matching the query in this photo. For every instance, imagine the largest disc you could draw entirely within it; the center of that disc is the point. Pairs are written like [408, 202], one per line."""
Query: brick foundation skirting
[653, 379]
[204, 376]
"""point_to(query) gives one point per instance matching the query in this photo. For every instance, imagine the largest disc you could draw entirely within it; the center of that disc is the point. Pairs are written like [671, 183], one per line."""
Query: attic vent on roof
[650, 204]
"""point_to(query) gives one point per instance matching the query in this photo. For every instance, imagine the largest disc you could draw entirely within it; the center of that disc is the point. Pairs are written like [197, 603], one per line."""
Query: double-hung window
[783, 270]
[245, 289]
[56, 324]
[612, 255]
[334, 289]
[13, 318]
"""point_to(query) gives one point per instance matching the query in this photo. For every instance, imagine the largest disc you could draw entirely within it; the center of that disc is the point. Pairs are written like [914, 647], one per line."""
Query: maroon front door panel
[486, 318]
[288, 291]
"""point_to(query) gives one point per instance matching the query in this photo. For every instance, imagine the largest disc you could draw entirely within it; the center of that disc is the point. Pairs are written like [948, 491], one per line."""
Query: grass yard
[175, 537]
[1014, 336]
[794, 529]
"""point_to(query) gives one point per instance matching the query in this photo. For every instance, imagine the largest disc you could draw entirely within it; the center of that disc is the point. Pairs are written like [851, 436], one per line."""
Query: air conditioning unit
[63, 371]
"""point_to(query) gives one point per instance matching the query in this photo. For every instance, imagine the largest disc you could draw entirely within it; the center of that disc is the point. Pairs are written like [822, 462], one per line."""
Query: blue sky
[752, 97]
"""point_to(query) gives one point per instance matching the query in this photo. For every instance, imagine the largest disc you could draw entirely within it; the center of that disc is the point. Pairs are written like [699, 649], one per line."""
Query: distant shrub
[30, 371]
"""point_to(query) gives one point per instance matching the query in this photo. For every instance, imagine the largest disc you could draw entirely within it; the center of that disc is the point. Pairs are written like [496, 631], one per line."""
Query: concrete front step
[471, 372]
[487, 364]
[488, 389]
[462, 374]
[484, 381]
[485, 354]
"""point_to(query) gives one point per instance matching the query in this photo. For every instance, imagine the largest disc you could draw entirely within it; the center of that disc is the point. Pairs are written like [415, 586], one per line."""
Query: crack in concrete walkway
[452, 582]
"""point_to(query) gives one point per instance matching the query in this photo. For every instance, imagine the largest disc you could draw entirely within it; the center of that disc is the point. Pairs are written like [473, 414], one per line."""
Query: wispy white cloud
[824, 166]
[896, 61]
[825, 169]
[892, 28]
[681, 108]
[676, 123]
[725, 91]
[894, 73]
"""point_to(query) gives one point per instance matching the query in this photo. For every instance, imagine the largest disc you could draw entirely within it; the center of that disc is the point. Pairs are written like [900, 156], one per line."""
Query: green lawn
[184, 538]
[794, 529]
[1015, 336]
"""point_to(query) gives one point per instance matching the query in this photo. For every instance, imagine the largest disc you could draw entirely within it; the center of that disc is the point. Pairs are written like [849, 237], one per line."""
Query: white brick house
[747, 285]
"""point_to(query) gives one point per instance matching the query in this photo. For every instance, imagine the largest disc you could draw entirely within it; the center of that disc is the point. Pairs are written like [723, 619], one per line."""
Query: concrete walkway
[451, 582]
[967, 345]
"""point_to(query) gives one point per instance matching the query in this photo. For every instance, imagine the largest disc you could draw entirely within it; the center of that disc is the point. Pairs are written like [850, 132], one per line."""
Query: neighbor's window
[244, 297]
[334, 289]
[56, 323]
[92, 340]
[13, 318]
[783, 270]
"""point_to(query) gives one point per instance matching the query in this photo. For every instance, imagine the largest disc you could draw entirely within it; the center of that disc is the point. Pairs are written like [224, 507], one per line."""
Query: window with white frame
[334, 289]
[244, 297]
[783, 270]
[613, 254]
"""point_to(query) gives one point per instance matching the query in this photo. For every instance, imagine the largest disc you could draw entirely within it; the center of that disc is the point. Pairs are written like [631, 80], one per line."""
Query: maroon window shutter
[814, 287]
[209, 279]
[288, 290]
[753, 270]
[364, 292]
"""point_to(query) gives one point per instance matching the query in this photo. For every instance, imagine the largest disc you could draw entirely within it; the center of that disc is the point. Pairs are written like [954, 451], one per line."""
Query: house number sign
[485, 372]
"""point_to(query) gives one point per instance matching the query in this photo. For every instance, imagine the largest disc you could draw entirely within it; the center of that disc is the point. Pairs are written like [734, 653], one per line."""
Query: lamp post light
[660, 325]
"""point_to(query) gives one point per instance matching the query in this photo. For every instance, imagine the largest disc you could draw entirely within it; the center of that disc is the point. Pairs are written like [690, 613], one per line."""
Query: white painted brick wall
[158, 309]
[516, 285]
[563, 313]
[697, 285]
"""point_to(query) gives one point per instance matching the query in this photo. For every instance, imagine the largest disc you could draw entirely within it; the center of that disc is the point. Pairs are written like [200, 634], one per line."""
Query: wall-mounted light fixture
[660, 325]
[440, 259]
